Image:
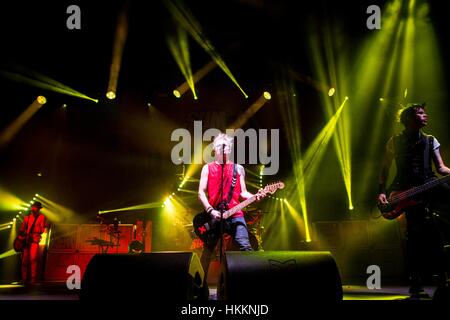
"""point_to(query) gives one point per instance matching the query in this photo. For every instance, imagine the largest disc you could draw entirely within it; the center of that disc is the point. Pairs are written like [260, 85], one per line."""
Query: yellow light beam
[180, 51]
[10, 131]
[317, 148]
[137, 207]
[119, 45]
[10, 202]
[196, 77]
[243, 118]
[51, 84]
[187, 191]
[7, 254]
[187, 20]
[407, 62]
[302, 224]
[379, 116]
[55, 207]
[332, 68]
[290, 118]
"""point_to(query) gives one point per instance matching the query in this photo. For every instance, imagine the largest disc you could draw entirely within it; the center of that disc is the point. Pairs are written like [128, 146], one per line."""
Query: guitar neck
[416, 190]
[240, 206]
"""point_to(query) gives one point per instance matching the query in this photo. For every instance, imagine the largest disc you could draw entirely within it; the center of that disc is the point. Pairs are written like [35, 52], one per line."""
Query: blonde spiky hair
[223, 137]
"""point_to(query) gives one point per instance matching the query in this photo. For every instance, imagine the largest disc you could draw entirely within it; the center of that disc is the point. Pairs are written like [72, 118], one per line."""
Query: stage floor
[59, 291]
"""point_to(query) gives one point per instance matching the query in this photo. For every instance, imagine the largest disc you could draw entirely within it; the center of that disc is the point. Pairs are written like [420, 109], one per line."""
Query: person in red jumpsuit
[32, 227]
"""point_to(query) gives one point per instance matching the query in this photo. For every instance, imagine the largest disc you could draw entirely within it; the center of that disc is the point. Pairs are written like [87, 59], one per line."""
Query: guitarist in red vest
[211, 195]
[414, 152]
[32, 228]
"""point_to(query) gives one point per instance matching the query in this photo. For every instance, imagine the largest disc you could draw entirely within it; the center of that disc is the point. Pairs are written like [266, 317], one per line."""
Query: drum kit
[110, 236]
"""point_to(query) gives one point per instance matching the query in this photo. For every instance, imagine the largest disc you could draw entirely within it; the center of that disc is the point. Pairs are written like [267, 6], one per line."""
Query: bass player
[427, 233]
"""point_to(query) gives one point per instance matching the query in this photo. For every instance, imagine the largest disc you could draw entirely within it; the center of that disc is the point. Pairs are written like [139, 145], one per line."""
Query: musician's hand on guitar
[215, 214]
[382, 198]
[260, 195]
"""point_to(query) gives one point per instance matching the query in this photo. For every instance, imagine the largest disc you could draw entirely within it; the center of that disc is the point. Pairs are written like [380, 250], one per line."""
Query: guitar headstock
[271, 188]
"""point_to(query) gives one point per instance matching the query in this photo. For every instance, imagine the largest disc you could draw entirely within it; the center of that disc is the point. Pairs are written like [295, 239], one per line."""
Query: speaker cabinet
[279, 276]
[159, 276]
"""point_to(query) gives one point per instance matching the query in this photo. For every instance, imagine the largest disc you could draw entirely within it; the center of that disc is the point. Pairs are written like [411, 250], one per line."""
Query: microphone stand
[221, 206]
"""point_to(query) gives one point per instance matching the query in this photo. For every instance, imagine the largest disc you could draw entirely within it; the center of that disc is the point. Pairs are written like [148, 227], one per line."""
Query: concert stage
[59, 291]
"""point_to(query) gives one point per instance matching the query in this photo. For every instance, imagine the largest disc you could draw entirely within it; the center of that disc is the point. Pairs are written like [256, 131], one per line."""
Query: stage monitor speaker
[158, 276]
[264, 276]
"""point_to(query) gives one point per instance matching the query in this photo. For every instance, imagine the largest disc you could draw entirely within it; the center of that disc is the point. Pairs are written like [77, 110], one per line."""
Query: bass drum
[231, 245]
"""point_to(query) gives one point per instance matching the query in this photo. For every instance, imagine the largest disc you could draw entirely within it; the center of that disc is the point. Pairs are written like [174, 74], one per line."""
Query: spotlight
[14, 219]
[176, 93]
[331, 92]
[351, 207]
[267, 95]
[111, 95]
[64, 105]
[36, 195]
[41, 100]
[39, 174]
[381, 99]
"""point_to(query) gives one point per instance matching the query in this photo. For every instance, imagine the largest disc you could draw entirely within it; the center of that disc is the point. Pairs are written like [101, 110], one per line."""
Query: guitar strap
[32, 226]
[233, 183]
[426, 156]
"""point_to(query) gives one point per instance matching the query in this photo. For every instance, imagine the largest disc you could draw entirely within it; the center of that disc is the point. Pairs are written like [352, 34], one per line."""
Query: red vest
[214, 180]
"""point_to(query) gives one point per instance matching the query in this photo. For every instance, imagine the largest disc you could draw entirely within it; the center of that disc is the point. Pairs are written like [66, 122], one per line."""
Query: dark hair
[37, 204]
[407, 113]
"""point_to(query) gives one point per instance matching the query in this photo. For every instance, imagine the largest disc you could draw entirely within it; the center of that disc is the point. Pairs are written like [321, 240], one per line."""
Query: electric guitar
[204, 224]
[400, 200]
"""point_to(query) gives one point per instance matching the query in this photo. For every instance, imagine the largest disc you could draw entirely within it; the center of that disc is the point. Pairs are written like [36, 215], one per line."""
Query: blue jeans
[237, 228]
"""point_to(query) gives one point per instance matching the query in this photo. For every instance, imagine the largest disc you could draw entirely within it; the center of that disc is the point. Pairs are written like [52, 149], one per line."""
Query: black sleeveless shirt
[413, 159]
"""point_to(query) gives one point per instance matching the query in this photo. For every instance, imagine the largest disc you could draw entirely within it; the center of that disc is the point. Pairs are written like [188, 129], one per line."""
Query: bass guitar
[400, 200]
[204, 224]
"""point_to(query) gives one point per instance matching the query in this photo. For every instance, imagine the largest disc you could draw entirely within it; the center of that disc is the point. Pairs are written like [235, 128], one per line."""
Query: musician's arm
[244, 192]
[384, 172]
[439, 163]
[22, 227]
[202, 189]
